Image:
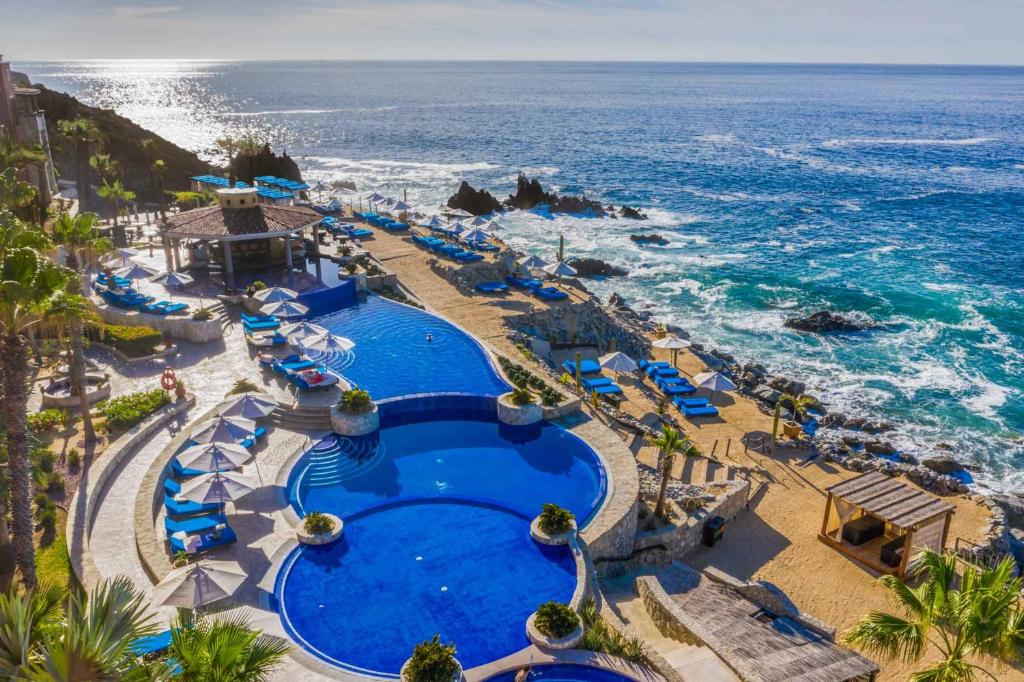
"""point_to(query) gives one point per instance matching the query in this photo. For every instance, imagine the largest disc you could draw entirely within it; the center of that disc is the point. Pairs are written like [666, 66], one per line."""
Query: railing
[966, 551]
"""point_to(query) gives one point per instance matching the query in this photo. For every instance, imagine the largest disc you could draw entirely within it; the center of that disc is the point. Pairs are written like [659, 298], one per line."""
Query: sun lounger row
[301, 371]
[385, 222]
[451, 250]
[537, 288]
[491, 287]
[336, 227]
[126, 298]
[591, 378]
[695, 407]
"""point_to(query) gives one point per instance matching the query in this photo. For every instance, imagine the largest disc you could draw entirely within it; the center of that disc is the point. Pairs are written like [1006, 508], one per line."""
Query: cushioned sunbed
[644, 364]
[151, 644]
[586, 367]
[259, 318]
[597, 381]
[522, 282]
[706, 411]
[491, 287]
[679, 389]
[610, 389]
[551, 294]
[187, 507]
[207, 541]
[690, 402]
[195, 525]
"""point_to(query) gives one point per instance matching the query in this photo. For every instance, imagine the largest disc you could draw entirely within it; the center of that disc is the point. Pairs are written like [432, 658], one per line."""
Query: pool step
[302, 418]
[339, 464]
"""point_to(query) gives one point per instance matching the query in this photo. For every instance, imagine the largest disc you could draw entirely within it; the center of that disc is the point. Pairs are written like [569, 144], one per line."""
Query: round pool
[563, 672]
[408, 569]
[449, 457]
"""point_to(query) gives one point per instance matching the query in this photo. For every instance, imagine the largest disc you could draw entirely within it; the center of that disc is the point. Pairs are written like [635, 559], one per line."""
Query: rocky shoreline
[530, 195]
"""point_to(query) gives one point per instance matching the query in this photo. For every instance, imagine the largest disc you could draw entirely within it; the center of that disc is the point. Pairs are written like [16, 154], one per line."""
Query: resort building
[240, 232]
[23, 120]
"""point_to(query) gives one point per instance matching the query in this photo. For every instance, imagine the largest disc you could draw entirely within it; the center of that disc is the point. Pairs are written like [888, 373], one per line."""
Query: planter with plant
[202, 315]
[319, 528]
[519, 407]
[554, 526]
[432, 661]
[355, 414]
[555, 625]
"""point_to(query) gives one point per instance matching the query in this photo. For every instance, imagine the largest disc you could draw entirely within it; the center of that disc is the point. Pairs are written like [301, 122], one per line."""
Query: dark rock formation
[530, 194]
[824, 322]
[943, 464]
[649, 239]
[788, 386]
[122, 139]
[594, 267]
[880, 448]
[632, 213]
[264, 162]
[475, 201]
[344, 184]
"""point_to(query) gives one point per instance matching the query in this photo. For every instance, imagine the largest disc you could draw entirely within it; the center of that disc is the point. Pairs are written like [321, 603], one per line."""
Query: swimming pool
[563, 672]
[460, 452]
[409, 569]
[393, 356]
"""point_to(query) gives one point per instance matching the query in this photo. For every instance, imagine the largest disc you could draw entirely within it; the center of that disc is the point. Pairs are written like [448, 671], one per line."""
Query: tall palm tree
[227, 650]
[669, 442]
[978, 613]
[157, 170]
[228, 145]
[69, 312]
[114, 192]
[83, 134]
[105, 165]
[29, 283]
[20, 157]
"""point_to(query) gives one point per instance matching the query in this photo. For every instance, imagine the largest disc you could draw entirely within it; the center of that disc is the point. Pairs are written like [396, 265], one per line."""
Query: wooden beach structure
[884, 523]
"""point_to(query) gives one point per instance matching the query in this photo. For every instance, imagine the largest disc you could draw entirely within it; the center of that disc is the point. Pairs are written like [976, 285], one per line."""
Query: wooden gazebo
[883, 523]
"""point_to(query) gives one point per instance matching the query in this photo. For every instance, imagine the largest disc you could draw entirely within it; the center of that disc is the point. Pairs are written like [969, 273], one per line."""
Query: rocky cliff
[529, 194]
[475, 201]
[265, 162]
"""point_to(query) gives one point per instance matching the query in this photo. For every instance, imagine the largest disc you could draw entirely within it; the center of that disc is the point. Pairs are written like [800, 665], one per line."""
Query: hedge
[126, 411]
[134, 342]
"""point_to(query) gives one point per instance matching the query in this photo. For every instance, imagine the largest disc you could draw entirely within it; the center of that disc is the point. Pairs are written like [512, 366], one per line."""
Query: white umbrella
[479, 221]
[456, 227]
[673, 343]
[249, 406]
[457, 212]
[217, 487]
[285, 309]
[223, 430]
[400, 206]
[714, 381]
[327, 343]
[530, 262]
[199, 584]
[213, 456]
[376, 197]
[559, 269]
[135, 271]
[495, 224]
[477, 235]
[435, 222]
[618, 362]
[319, 187]
[173, 279]
[275, 294]
[127, 253]
[300, 330]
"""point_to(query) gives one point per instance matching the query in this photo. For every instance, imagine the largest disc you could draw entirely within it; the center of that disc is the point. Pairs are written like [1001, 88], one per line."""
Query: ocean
[895, 193]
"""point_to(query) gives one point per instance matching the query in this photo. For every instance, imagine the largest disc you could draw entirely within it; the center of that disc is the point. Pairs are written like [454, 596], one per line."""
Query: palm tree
[978, 613]
[798, 404]
[228, 145]
[83, 133]
[69, 311]
[157, 170]
[227, 650]
[670, 442]
[21, 156]
[106, 166]
[115, 193]
[29, 283]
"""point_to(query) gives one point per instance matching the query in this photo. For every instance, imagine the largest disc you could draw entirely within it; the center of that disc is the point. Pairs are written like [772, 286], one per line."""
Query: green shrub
[74, 459]
[521, 396]
[555, 520]
[258, 285]
[202, 314]
[46, 420]
[126, 411]
[600, 638]
[549, 397]
[355, 400]
[45, 461]
[42, 501]
[55, 482]
[556, 620]
[135, 342]
[47, 519]
[432, 661]
[316, 523]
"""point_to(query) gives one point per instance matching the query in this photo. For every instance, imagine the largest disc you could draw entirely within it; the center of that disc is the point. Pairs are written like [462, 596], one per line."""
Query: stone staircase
[697, 470]
[311, 418]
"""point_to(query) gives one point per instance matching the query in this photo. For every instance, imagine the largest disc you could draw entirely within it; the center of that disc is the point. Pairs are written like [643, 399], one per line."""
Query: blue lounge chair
[644, 364]
[265, 326]
[492, 287]
[467, 257]
[292, 364]
[207, 541]
[178, 470]
[397, 226]
[705, 411]
[522, 282]
[360, 232]
[151, 644]
[195, 525]
[252, 319]
[679, 389]
[690, 402]
[662, 372]
[250, 441]
[610, 389]
[550, 294]
[586, 367]
[188, 508]
[596, 381]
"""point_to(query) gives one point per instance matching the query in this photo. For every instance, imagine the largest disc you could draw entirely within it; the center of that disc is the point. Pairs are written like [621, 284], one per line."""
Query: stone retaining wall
[94, 479]
[176, 326]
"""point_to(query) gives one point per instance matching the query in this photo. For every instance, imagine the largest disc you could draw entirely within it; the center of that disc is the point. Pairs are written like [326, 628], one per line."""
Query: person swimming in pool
[430, 338]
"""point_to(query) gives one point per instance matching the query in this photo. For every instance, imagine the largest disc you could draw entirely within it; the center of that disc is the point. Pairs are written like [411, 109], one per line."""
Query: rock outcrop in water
[649, 239]
[595, 267]
[825, 322]
[530, 194]
[265, 162]
[475, 201]
[632, 213]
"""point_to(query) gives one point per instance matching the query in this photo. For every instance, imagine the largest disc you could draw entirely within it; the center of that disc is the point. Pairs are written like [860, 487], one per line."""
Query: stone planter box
[351, 424]
[324, 538]
[570, 641]
[545, 539]
[518, 415]
[97, 388]
[792, 430]
[457, 677]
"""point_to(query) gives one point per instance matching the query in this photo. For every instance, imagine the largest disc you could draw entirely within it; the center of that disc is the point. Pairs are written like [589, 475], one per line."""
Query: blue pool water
[563, 673]
[393, 357]
[405, 571]
[462, 458]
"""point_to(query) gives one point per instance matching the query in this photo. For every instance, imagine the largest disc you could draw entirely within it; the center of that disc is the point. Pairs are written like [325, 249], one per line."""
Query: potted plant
[355, 414]
[319, 528]
[553, 526]
[554, 625]
[432, 661]
[179, 389]
[519, 407]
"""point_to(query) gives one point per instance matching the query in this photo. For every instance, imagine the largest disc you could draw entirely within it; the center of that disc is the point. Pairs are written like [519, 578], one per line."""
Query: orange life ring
[168, 381]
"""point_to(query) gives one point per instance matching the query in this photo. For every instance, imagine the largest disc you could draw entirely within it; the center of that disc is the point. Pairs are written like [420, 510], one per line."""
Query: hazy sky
[906, 31]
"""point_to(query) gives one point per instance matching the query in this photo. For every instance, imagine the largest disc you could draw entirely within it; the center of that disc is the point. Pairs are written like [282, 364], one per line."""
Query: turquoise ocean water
[892, 192]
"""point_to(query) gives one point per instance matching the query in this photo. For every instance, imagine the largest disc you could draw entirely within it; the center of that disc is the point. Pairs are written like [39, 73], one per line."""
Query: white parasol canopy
[213, 456]
[249, 406]
[435, 222]
[479, 221]
[218, 487]
[135, 271]
[457, 212]
[559, 269]
[400, 206]
[173, 279]
[531, 262]
[714, 381]
[284, 309]
[275, 294]
[673, 343]
[199, 584]
[223, 430]
[618, 362]
[476, 235]
[327, 343]
[297, 331]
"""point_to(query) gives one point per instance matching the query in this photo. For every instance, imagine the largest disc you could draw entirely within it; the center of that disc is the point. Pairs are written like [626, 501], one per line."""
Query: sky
[862, 31]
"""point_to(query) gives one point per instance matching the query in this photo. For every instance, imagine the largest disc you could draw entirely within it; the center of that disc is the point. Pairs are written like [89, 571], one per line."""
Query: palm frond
[889, 636]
